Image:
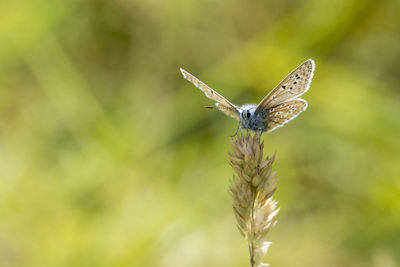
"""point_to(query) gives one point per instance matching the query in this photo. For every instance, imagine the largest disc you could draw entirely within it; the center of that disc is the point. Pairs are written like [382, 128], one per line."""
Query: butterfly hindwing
[283, 113]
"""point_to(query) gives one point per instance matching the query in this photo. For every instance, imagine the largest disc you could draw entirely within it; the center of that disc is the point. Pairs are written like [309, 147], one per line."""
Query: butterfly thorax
[249, 119]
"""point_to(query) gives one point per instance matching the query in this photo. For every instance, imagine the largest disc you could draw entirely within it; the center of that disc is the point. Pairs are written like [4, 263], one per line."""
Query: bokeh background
[108, 158]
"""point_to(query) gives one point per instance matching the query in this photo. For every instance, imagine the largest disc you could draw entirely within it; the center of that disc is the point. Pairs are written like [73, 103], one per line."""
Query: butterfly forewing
[222, 103]
[293, 86]
[283, 113]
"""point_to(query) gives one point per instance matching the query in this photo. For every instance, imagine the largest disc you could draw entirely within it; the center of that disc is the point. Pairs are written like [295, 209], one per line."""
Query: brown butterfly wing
[283, 113]
[222, 103]
[293, 86]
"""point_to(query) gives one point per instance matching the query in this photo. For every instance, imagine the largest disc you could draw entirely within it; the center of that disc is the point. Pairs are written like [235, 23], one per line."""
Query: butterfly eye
[248, 114]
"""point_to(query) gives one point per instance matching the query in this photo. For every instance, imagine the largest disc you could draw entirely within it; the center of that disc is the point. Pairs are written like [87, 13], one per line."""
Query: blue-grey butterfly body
[280, 106]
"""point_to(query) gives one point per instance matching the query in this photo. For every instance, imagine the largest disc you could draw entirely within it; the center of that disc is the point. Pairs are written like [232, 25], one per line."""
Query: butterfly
[277, 108]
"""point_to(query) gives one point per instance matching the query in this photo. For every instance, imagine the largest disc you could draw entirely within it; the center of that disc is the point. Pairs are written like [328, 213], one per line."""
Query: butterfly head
[247, 111]
[246, 114]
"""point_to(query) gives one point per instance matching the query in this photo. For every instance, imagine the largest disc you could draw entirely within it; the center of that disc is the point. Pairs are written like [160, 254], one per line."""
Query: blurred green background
[108, 158]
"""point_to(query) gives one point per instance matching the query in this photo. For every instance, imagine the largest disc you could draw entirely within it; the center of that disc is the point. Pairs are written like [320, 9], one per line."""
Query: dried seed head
[251, 190]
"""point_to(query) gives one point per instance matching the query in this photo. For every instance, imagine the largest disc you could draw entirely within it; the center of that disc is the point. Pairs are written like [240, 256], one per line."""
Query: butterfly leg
[259, 136]
[237, 130]
[240, 130]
